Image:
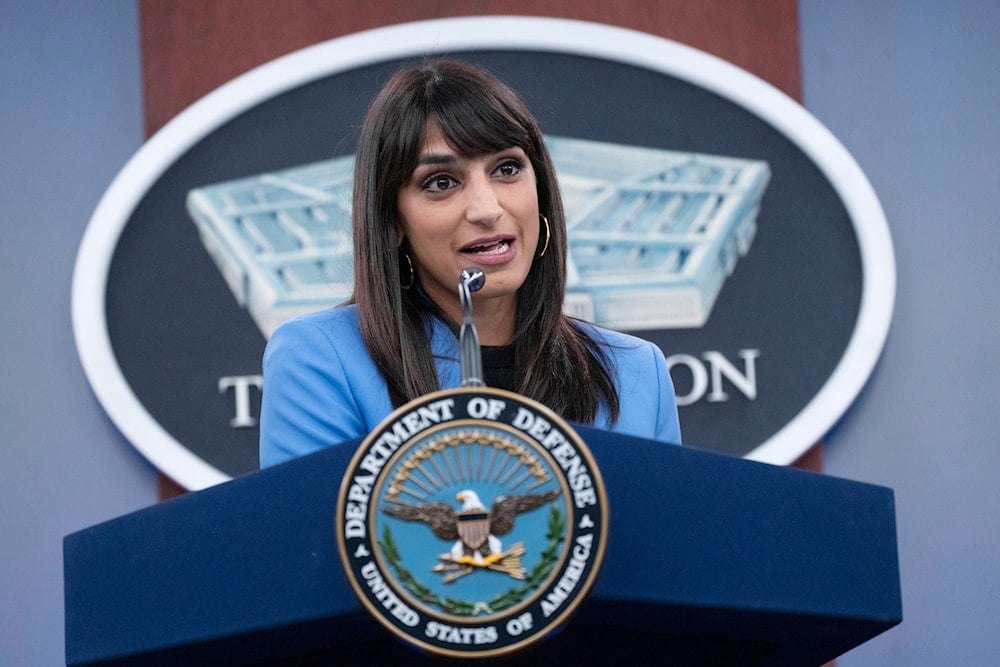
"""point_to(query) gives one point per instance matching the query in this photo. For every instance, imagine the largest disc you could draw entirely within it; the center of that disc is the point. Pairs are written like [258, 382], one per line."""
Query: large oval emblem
[710, 214]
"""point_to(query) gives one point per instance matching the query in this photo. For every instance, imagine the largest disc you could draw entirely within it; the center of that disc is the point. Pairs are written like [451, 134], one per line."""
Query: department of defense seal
[472, 522]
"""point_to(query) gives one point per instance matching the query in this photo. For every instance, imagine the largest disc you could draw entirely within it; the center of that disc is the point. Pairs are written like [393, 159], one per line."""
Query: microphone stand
[471, 280]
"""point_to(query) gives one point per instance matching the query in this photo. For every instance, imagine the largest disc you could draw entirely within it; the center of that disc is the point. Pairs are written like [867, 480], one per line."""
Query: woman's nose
[482, 204]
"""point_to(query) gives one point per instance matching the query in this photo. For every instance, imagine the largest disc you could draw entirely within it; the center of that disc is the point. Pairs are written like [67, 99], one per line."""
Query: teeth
[491, 248]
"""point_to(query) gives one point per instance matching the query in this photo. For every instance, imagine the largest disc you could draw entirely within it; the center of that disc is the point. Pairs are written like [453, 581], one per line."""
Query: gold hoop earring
[413, 274]
[547, 235]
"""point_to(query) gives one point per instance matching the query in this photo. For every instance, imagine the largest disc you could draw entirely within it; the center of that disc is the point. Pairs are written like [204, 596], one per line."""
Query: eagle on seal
[473, 528]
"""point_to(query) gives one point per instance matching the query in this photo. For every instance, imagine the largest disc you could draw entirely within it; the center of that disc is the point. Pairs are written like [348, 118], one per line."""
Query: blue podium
[711, 560]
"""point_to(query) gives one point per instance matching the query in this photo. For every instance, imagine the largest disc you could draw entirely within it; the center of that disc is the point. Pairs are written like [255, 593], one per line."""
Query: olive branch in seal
[541, 570]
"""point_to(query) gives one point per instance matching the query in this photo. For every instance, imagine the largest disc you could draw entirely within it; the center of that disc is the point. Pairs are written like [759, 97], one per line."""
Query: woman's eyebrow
[434, 158]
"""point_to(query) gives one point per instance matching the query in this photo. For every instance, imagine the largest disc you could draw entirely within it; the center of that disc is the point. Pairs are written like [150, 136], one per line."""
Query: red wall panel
[190, 47]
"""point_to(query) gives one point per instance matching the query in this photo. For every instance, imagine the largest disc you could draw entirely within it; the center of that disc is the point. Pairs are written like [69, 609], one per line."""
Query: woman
[451, 172]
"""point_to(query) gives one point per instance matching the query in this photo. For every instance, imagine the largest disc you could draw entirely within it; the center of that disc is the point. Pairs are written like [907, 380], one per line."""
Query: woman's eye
[438, 183]
[509, 168]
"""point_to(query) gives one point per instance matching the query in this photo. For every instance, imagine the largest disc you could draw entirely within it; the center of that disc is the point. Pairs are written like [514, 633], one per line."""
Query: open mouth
[497, 247]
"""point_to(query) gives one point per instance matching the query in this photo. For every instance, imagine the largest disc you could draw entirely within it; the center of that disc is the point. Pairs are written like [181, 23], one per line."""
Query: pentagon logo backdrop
[708, 213]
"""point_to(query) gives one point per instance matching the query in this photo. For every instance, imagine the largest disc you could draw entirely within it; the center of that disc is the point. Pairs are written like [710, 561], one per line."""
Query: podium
[711, 560]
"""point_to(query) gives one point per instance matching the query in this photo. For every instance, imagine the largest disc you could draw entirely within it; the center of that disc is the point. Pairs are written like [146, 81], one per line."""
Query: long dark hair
[555, 361]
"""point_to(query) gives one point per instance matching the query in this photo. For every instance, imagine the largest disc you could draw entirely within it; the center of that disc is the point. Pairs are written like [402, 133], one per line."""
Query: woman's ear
[399, 236]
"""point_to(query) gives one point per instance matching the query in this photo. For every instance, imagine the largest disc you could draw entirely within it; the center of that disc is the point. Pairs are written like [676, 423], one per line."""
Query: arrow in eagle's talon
[515, 572]
[457, 575]
[448, 567]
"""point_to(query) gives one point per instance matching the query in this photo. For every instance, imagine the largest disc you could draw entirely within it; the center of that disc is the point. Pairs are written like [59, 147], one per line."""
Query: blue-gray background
[910, 88]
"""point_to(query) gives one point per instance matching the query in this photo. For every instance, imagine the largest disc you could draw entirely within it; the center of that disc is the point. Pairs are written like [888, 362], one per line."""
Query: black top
[498, 366]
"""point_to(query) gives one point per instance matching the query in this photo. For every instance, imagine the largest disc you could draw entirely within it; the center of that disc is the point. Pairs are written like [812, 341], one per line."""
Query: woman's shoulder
[327, 343]
[614, 342]
[334, 323]
[646, 392]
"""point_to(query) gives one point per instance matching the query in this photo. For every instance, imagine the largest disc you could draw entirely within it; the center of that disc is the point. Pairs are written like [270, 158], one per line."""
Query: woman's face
[457, 212]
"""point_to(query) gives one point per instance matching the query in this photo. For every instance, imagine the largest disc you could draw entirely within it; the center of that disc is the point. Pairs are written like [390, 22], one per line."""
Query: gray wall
[910, 89]
[913, 90]
[70, 116]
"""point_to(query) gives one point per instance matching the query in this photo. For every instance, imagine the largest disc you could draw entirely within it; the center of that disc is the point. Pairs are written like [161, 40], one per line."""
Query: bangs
[477, 120]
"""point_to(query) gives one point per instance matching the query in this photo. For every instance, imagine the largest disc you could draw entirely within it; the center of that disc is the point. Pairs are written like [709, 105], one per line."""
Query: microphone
[470, 280]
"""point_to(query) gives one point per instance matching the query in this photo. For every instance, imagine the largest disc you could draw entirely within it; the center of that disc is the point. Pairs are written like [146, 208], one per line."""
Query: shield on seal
[473, 528]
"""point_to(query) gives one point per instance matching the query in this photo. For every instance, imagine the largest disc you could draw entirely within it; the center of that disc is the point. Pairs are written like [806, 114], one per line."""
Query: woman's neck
[494, 331]
[495, 318]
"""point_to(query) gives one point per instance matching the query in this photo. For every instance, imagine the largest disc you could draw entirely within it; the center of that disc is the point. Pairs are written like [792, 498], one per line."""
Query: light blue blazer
[321, 387]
